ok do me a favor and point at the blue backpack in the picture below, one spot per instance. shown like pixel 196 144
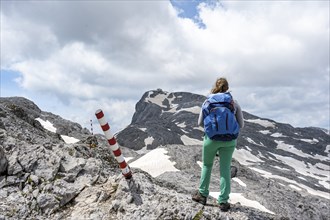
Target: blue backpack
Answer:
pixel 220 123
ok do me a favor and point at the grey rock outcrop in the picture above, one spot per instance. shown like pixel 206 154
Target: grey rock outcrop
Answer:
pixel 40 173
pixel 3 161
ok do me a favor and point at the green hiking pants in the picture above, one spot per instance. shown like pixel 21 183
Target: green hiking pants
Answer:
pixel 225 150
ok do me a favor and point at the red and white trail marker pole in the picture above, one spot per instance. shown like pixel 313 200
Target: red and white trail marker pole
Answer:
pixel 113 144
pixel 92 126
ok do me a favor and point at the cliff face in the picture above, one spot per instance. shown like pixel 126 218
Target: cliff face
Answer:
pixel 51 168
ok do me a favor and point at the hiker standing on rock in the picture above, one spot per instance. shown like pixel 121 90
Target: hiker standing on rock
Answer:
pixel 222 118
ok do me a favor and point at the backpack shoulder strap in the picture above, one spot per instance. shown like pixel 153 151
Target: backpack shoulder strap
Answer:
pixel 206 108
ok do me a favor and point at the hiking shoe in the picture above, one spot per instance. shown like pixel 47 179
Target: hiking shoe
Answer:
pixel 197 197
pixel 224 206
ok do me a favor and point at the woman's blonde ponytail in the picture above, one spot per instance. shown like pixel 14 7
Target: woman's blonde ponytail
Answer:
pixel 221 85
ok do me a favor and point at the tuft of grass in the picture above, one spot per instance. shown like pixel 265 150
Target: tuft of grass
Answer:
pixel 199 215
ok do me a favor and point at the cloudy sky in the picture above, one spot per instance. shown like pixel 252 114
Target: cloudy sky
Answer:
pixel 74 57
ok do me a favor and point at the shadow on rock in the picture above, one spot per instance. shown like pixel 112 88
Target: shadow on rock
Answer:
pixel 135 190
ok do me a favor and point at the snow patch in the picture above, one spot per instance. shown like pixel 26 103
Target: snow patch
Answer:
pixel 240 182
pixel 278 135
pixel 155 162
pixel 265 132
pixel 186 132
pixel 281 168
pixel 199 128
pixel 295 187
pixel 181 125
pixel 69 140
pixel 148 140
pixel 245 157
pixel 264 123
pixel 253 142
pixel 173 105
pixel 158 99
pixel 248 148
pixel 47 125
pixel 190 141
pixel 300 177
pixel 327 149
pixel 314 141
pixel 194 109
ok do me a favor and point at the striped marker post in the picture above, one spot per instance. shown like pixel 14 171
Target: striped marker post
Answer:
pixel 113 144
pixel 92 126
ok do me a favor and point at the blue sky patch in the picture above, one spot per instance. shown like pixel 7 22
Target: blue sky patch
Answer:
pixel 9 86
pixel 189 9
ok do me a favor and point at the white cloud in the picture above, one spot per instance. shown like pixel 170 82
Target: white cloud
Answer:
pixel 275 55
pixel 22 39
pixel 73 71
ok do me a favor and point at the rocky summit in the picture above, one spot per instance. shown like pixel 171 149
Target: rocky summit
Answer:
pixel 52 168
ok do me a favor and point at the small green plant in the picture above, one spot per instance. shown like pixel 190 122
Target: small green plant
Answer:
pixel 71 151
pixel 199 215
pixel 58 176
pixel 29 180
